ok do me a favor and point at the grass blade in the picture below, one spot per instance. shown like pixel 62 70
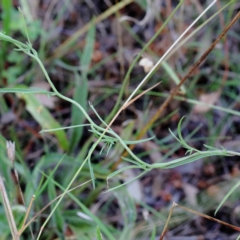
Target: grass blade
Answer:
pixel 26 91
pixel 227 196
pixel 81 91
pixel 99 235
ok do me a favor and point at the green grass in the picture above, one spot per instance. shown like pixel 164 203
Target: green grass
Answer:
pixel 89 162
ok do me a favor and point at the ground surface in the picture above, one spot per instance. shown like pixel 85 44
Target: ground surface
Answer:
pixel 88 61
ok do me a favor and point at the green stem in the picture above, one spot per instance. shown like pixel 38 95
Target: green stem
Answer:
pixel 125 81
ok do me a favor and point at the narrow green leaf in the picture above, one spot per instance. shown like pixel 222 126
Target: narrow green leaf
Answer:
pixel 174 136
pixel 194 157
pixel 210 148
pixel 182 141
pixel 154 233
pixel 119 186
pixel 139 141
pixel 88 50
pixel 132 161
pixel 128 210
pixel 227 196
pixel 38 192
pixel 81 90
pixel 92 107
pixel 63 128
pixel 80 96
pixel 121 170
pixel 179 129
pixel 57 217
pixel 173 75
pixel 91 172
pixel 26 91
pixel 6 15
pixel 126 133
pixel 99 235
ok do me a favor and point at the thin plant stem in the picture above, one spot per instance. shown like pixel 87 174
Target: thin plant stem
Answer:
pixel 209 217
pixel 84 112
pixel 62 196
pixel 153 69
pixel 125 81
pixel 167 52
pixel 8 210
pixel 190 72
pixel 27 214
pixel 167 222
pixel 11 156
pixel 196 213
pixel 176 89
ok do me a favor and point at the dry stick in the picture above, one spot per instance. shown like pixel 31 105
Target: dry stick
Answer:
pixel 138 96
pixel 226 52
pixel 27 213
pixel 11 156
pixel 176 89
pixel 168 219
pixel 8 210
pixel 196 213
pixel 210 218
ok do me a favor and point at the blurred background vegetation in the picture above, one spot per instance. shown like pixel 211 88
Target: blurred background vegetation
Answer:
pixel 87 47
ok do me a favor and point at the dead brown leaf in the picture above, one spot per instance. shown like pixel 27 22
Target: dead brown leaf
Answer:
pixel 208 99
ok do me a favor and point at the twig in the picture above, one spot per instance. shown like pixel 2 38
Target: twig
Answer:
pixel 190 72
pixel 138 96
pixel 196 213
pixel 176 89
pixel 156 66
pixel 210 218
pixel 8 211
pixel 27 214
pixel 168 219
pixel 11 156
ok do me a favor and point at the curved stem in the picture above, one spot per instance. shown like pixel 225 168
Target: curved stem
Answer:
pixel 110 131
pixel 59 94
